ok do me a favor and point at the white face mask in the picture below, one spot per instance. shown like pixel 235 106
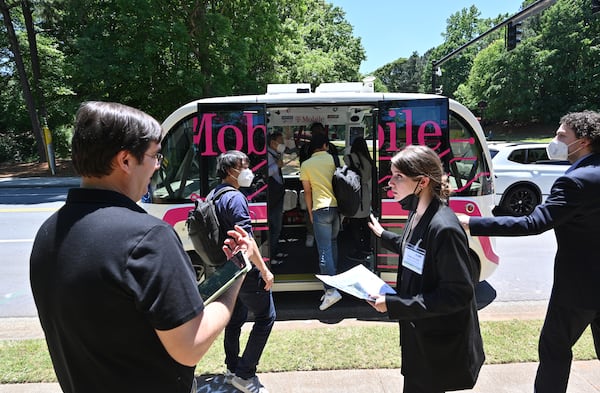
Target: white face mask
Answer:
pixel 245 177
pixel 558 150
pixel 280 148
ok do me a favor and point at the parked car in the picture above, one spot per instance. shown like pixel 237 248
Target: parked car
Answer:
pixel 523 176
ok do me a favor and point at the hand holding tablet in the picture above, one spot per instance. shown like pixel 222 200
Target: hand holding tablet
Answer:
pixel 235 267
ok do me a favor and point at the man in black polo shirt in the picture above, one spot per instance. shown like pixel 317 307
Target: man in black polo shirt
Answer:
pixel 115 291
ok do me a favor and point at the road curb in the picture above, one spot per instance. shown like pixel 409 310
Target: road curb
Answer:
pixel 21 182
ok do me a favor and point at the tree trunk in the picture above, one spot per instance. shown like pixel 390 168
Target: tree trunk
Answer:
pixel 29 100
pixel 35 59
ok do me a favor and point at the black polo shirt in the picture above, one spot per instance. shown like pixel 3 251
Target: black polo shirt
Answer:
pixel 105 275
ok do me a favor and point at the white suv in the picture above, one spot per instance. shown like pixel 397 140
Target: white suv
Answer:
pixel 523 176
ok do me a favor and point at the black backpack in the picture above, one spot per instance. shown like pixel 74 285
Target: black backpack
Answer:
pixel 204 230
pixel 347 190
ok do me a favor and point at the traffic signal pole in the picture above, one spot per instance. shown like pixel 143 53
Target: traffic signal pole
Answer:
pixel 532 9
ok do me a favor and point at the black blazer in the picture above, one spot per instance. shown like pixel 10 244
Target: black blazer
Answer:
pixel 573 210
pixel 440 339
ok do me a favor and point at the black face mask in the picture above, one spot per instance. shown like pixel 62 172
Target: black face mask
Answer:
pixel 411 201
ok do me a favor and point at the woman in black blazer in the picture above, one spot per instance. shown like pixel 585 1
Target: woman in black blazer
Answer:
pixel 435 303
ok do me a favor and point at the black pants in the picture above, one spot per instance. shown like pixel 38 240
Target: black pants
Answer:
pixel 253 297
pixel 562 328
pixel 410 387
pixel 361 234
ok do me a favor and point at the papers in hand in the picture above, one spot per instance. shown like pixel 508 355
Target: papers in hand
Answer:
pixel 359 282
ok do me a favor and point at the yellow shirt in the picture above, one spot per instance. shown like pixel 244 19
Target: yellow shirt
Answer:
pixel 318 170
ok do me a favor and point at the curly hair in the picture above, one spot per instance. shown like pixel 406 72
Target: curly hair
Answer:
pixel 585 124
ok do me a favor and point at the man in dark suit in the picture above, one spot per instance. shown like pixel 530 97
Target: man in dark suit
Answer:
pixel 573 210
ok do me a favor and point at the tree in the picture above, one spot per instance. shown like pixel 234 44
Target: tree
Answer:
pixel 402 75
pixel 553 70
pixel 570 36
pixel 157 55
pixel 25 86
pixel 35 59
pixel 318 45
pixel 462 27
pixel 508 81
pixel 135 52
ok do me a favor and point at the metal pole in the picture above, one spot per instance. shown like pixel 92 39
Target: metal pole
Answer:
pixel 528 11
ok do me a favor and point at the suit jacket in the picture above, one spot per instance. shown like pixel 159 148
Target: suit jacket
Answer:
pixel 573 210
pixel 441 343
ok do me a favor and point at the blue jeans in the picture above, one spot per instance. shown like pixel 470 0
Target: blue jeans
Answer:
pixel 253 297
pixel 326 225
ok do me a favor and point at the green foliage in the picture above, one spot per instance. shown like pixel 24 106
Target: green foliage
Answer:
pixel 553 70
pixel 157 55
pixel 402 75
pixel 570 37
pixel 318 45
pixel 511 88
pixel 61 141
pixel 462 27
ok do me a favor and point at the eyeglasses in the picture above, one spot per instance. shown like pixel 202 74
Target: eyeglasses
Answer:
pixel 158 157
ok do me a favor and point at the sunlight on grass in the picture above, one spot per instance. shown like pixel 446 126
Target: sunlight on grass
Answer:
pixel 323 348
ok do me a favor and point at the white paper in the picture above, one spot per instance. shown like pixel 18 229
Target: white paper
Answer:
pixel 359 282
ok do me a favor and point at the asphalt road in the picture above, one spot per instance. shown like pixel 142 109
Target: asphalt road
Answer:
pixel 524 273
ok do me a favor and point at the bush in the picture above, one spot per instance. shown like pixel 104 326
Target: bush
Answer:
pixel 61 140
pixel 20 146
pixel 17 146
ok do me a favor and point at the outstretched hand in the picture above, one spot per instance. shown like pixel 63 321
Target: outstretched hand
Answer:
pixel 375 226
pixel 239 240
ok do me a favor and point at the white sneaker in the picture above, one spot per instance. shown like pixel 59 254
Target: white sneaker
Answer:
pixel 310 241
pixel 331 297
pixel 250 385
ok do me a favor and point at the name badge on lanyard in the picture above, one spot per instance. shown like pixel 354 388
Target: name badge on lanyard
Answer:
pixel 414 257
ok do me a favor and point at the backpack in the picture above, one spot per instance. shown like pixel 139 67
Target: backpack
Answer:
pixel 347 190
pixel 204 230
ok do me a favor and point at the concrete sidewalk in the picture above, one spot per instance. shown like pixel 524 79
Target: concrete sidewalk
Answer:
pixel 501 378
pixel 505 378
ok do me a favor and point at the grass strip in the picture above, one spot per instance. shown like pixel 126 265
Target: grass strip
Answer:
pixel 322 348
